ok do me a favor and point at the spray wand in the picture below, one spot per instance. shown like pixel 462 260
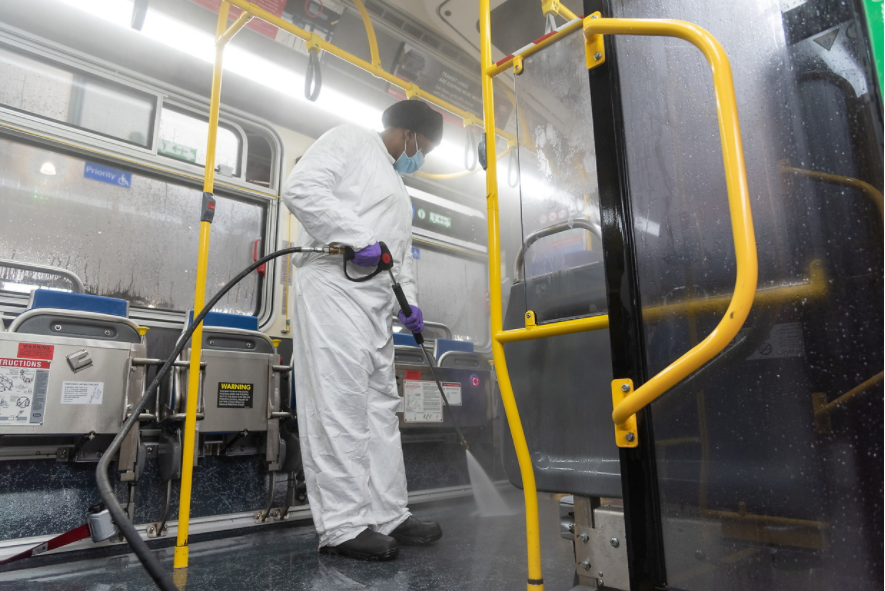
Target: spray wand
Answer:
pixel 386 264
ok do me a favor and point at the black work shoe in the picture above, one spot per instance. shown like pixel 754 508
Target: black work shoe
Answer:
pixel 414 532
pixel 368 545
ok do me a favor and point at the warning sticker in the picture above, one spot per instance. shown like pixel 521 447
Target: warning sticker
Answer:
pixel 35 351
pixel 422 402
pixel 784 340
pixel 82 392
pixel 231 395
pixel 23 385
pixel 453 392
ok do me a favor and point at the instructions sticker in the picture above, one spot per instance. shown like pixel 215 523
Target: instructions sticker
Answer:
pixel 82 392
pixel 231 395
pixel 784 340
pixel 422 402
pixel 23 385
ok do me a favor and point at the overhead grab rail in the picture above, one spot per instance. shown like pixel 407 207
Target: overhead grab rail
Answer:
pixel 374 68
pixel 627 401
pixel 75 280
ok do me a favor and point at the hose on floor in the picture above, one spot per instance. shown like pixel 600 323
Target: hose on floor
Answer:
pixel 121 519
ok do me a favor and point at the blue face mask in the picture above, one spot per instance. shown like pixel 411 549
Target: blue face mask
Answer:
pixel 409 164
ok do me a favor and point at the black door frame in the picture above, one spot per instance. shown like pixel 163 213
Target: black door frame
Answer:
pixel 645 549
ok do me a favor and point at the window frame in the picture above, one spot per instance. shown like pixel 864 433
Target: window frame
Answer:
pixel 64 138
pixel 165 96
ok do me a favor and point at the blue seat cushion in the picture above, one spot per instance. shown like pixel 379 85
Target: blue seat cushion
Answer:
pixel 446 345
pixel 401 338
pixel 225 320
pixel 81 302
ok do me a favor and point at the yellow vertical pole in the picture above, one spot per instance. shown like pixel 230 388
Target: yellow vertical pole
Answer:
pixel 535 577
pixel 193 384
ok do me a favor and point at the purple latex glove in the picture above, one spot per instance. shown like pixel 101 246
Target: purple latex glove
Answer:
pixel 415 322
pixel 369 256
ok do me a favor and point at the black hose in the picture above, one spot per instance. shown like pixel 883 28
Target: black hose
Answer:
pixel 121 520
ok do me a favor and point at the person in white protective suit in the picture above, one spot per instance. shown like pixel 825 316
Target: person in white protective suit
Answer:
pixel 346 190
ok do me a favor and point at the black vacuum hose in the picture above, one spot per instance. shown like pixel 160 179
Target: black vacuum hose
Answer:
pixel 121 520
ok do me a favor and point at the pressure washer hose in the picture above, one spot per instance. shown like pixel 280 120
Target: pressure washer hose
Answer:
pixel 121 520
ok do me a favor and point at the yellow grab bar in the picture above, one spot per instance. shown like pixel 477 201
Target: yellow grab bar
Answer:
pixel 738 201
pixel 843 181
pixel 222 37
pixel 827 408
pixel 376 70
pixel 370 33
pixel 556 7
pixel 555 37
pixel 530 490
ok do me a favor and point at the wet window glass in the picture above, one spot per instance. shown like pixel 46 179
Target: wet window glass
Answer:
pixel 259 160
pixel 124 234
pixel 453 290
pixel 768 476
pixel 80 100
pixel 560 261
pixel 183 137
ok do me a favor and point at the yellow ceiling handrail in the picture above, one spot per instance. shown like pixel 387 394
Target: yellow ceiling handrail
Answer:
pixel 739 206
pixel 370 33
pixel 376 70
pixel 505 64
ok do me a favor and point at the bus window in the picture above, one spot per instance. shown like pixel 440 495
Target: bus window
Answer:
pixel 183 137
pixel 453 290
pixel 124 234
pixel 80 100
pixel 259 159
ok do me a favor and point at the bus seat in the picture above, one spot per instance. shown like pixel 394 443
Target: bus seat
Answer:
pixel 404 340
pixel 79 351
pixel 445 345
pixel 240 385
pixel 463 360
pixel 77 315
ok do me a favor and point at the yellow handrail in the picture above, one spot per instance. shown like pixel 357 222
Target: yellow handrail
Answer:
pixel 411 89
pixel 370 33
pixel 843 181
pixel 530 490
pixel 848 396
pixel 554 329
pixel 508 62
pixel 222 37
pixel 742 228
pixel 738 201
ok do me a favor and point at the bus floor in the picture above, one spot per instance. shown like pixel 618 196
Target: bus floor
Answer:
pixel 475 553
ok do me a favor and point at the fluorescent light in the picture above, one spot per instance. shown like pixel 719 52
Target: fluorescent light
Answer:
pixel 187 39
pixel 48 168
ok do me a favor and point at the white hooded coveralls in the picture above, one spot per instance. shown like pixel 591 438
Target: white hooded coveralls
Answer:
pixel 345 191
